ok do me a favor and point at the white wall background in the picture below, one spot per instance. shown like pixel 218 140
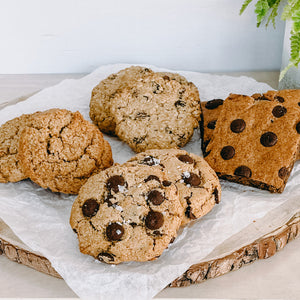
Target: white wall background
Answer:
pixel 65 36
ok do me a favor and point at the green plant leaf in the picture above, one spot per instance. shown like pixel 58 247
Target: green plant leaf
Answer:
pixel 283 72
pixel 245 5
pixel 295 47
pixel 296 20
pixel 290 8
pixel 272 2
pixel 261 9
pixel 268 10
pixel 273 14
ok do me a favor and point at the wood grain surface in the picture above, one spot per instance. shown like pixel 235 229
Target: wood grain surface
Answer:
pixel 262 248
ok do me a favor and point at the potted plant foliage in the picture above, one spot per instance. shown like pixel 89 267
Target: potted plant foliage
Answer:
pixel 266 12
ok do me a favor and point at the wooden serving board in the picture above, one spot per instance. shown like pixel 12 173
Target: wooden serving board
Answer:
pixel 264 247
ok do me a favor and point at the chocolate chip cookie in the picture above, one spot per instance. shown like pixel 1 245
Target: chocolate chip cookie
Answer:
pixel 126 214
pixel 256 140
pixel 60 150
pixel 198 185
pixel 9 144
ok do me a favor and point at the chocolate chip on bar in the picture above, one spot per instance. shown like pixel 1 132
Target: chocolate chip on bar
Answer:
pixel 257 139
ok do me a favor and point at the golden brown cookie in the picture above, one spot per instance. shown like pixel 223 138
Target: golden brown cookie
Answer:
pixel 9 145
pixel 126 214
pixel 256 141
pixel 146 109
pixel 106 90
pixel 60 151
pixel 156 112
pixel 198 185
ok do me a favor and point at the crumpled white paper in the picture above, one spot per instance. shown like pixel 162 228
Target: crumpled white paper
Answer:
pixel 41 218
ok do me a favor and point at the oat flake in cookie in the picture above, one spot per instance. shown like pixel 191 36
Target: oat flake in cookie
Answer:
pixel 126 214
pixel 9 147
pixel 256 140
pixel 60 150
pixel 198 185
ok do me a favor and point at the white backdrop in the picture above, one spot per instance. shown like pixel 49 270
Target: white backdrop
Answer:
pixel 62 36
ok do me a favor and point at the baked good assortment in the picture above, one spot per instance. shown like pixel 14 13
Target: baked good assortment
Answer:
pixel 133 211
pixel 256 140
pixel 57 149
pixel 146 109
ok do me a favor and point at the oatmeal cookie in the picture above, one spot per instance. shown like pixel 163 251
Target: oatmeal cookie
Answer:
pixel 106 90
pixel 60 150
pixel 9 146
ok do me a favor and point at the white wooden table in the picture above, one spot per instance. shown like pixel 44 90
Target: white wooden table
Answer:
pixel 277 277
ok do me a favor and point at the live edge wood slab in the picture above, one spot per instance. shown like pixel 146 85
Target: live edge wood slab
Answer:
pixel 262 248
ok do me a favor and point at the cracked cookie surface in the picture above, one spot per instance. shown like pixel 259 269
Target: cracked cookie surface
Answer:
pixel 60 151
pixel 10 131
pixel 198 185
pixel 126 214
pixel 106 90
pixel 146 109
pixel 156 112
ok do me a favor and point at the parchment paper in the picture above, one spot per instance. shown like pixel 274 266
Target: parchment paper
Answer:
pixel 41 218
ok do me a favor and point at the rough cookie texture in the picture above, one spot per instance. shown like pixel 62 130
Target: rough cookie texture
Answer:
pixel 256 141
pixel 106 90
pixel 9 145
pixel 60 150
pixel 157 112
pixel 126 214
pixel 145 109
pixel 198 185
pixel 210 113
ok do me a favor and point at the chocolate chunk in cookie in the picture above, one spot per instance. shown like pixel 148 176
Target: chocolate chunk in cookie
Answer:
pixel 90 208
pixel 268 139
pixel 227 152
pixel 114 232
pixel 238 125
pixel 213 104
pixel 154 220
